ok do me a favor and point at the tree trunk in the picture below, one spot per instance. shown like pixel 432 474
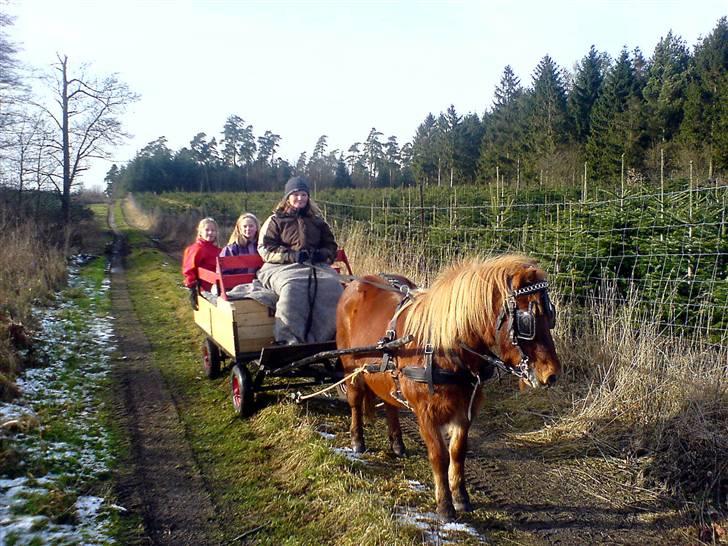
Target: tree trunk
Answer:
pixel 66 190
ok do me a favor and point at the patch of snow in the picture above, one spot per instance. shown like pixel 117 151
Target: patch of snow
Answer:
pixel 78 344
pixel 416 486
pixel 349 454
pixel 434 529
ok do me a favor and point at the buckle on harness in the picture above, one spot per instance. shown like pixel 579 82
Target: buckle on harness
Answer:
pixel 389 335
pixel 429 351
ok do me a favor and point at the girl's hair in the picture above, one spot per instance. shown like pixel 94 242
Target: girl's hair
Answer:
pixel 203 223
pixel 311 209
pixel 237 235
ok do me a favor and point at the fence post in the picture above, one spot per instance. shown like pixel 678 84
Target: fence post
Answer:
pixel 558 236
pixel 583 191
pixel 690 216
pixel 662 176
pixel 621 197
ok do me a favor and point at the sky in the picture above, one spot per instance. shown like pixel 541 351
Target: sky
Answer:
pixel 339 68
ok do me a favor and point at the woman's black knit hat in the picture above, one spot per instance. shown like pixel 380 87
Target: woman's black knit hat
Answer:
pixel 297 183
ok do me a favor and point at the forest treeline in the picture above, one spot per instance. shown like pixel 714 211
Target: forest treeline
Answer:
pixel 606 117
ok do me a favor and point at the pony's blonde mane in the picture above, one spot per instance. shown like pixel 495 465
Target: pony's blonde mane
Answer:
pixel 461 301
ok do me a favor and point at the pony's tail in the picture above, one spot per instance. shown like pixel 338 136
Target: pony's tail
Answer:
pixel 368 406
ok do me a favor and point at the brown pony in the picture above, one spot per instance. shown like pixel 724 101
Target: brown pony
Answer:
pixel 478 314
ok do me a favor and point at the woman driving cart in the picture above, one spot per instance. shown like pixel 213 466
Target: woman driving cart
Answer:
pixel 297 246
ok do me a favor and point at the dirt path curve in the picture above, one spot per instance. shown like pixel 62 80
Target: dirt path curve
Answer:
pixel 161 482
pixel 542 498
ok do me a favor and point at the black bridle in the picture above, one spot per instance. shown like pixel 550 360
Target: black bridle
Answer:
pixel 521 326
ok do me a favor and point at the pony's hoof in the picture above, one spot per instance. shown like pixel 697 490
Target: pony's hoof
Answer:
pixel 358 446
pixel 398 449
pixel 463 506
pixel 446 513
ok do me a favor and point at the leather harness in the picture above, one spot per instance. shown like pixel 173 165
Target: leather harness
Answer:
pixel 431 374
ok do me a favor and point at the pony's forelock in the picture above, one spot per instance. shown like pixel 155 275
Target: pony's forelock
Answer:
pixel 461 301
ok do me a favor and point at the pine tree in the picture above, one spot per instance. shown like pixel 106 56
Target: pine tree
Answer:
pixel 342 178
pixel 547 109
pixel 664 92
pixel 707 94
pixel 616 127
pixel 587 86
pixel 503 142
pixel 424 155
pixel 468 138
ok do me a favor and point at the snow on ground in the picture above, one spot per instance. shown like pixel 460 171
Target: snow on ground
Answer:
pixel 434 530
pixel 78 343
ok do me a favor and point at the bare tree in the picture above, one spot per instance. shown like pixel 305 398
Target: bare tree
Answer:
pixel 85 121
pixel 12 91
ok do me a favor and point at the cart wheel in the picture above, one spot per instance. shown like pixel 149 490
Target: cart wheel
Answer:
pixel 211 359
pixel 242 391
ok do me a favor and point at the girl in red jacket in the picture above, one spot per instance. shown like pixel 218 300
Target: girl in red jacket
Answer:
pixel 202 253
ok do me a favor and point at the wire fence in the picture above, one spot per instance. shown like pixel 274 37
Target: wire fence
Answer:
pixel 668 251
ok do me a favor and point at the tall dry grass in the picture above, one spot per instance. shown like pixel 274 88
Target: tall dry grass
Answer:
pixel 369 256
pixel 32 269
pixel 661 402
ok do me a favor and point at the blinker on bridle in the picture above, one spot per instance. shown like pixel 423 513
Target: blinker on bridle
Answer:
pixel 522 324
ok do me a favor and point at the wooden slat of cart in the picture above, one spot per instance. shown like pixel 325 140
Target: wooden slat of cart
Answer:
pixel 238 326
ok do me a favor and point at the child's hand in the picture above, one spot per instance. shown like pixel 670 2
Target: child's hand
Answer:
pixel 193 298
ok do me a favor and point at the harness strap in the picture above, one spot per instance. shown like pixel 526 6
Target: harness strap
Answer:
pixel 520 372
pixel 429 366
pixel 312 276
pixel 391 333
pixel 397 393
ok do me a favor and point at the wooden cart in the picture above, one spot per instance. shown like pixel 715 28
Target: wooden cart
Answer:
pixel 242 331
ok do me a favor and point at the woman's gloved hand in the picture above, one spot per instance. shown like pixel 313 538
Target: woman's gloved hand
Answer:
pixel 318 257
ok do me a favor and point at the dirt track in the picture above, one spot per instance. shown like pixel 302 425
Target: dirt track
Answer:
pixel 160 483
pixel 521 496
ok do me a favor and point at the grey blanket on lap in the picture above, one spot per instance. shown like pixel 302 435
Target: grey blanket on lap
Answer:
pixel 307 298
pixel 253 291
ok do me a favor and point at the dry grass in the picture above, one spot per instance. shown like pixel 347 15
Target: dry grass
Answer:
pixel 32 269
pixel 138 217
pixel 361 515
pixel 370 257
pixel 659 402
pixel 177 231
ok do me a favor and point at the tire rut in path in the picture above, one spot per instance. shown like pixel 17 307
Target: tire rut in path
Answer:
pixel 161 483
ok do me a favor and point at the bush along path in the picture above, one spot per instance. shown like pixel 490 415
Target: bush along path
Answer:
pixel 57 445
